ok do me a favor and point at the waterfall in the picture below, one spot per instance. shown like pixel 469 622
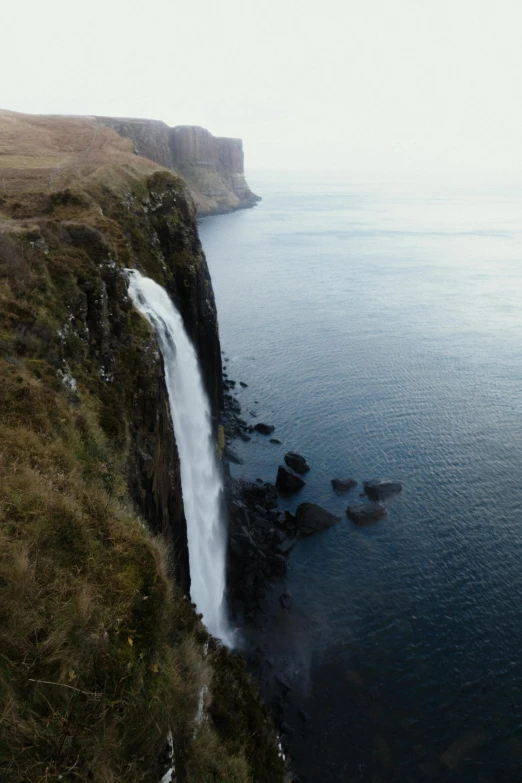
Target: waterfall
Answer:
pixel 201 480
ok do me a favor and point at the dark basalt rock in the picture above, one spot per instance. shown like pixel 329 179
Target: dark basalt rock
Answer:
pixel 153 473
pixel 262 524
pixel 287 481
pixel 379 489
pixel 262 493
pixel 264 429
pixel 296 462
pixel 232 456
pixel 366 513
pixel 343 485
pixel 275 440
pixel 279 565
pixel 286 546
pixel 311 518
pixel 243 384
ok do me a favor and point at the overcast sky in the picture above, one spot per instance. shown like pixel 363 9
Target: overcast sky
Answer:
pixel 312 84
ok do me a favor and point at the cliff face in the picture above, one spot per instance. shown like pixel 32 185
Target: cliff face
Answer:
pixel 212 167
pixel 102 654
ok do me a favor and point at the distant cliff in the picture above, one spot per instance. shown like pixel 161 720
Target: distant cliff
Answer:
pixel 212 167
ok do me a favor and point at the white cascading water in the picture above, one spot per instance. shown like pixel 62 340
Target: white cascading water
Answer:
pixel 201 480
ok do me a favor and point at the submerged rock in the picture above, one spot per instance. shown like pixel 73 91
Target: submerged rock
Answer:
pixel 296 462
pixel 264 429
pixel 379 489
pixel 275 440
pixel 343 485
pixel 366 513
pixel 232 456
pixel 286 546
pixel 311 518
pixel 287 481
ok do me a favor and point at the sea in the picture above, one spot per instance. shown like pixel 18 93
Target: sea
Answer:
pixel 378 325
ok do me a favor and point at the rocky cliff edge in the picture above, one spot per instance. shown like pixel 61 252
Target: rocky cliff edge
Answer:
pixel 212 167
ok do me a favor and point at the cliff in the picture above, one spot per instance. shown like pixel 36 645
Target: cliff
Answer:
pixel 212 167
pixel 101 653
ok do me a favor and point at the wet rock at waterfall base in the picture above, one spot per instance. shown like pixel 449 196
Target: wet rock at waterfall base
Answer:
pixel 343 485
pixel 288 482
pixel 311 518
pixel 297 462
pixel 279 565
pixel 254 492
pixel 286 546
pixel 366 513
pixel 275 440
pixel 258 547
pixel 380 489
pixel 232 456
pixel 264 429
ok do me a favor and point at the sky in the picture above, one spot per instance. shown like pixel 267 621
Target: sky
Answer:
pixel 406 85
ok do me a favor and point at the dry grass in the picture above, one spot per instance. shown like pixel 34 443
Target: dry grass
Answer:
pixel 41 153
pixel 99 653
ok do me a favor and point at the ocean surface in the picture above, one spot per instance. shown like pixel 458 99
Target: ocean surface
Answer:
pixel 379 328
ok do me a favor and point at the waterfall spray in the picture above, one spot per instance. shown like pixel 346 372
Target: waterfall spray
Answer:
pixel 201 480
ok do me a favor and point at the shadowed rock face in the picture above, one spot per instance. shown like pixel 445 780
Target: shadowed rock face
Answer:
pixel 213 167
pixel 150 137
pixel 192 144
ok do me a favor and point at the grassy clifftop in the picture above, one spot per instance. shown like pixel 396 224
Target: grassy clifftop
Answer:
pixel 101 653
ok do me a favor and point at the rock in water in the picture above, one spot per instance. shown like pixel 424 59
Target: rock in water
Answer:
pixel 287 481
pixel 264 429
pixel 366 513
pixel 232 456
pixel 275 440
pixel 310 518
pixel 296 462
pixel 343 485
pixel 379 489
